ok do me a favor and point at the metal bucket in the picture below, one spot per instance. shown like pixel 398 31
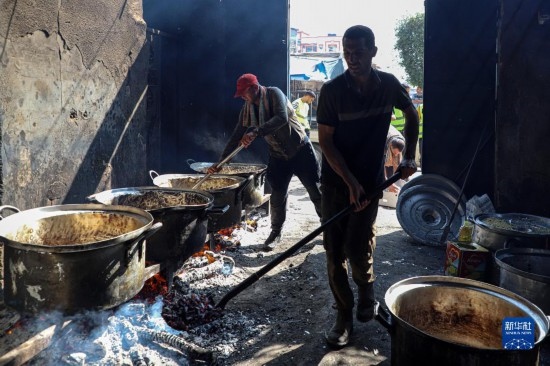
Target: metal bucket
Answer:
pixel 526 272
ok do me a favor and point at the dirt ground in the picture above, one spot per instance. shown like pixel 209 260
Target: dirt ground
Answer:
pixel 296 300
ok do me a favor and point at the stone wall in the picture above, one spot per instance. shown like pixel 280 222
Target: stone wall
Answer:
pixel 73 85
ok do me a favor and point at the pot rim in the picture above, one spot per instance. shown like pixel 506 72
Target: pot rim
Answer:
pixel 15 220
pixel 102 197
pixel 199 166
pixel 542 322
pixel 479 221
pixel 509 252
pixel 166 177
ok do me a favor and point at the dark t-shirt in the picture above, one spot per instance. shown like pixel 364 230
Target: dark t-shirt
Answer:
pixel 361 124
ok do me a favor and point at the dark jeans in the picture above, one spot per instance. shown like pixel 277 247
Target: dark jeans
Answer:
pixel 279 173
pixel 352 238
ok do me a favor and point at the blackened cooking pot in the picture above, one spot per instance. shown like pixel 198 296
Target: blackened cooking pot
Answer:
pixel 253 192
pixel 438 320
pixel 74 257
pixel 183 214
pixel 226 190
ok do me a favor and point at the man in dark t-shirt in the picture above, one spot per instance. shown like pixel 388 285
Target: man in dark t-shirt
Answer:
pixel 354 114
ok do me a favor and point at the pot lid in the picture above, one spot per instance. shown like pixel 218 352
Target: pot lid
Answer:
pixel 437 181
pixel 515 224
pixel 425 210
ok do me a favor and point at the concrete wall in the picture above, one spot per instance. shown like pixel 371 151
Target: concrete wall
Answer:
pixel 73 84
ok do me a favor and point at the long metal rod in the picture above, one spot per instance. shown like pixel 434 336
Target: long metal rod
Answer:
pixel 287 253
pixel 219 165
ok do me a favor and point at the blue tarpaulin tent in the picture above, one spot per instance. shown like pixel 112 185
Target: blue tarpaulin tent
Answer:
pixel 315 68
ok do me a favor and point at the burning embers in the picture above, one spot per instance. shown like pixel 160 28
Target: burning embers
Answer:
pixel 156 327
pixel 184 308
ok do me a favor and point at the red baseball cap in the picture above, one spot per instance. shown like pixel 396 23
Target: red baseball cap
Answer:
pixel 244 82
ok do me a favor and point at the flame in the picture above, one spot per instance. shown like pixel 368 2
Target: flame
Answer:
pixel 18 324
pixel 154 286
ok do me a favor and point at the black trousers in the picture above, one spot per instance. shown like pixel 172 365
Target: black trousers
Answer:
pixel 351 239
pixel 279 173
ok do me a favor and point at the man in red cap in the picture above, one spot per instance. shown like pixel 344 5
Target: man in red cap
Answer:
pixel 269 114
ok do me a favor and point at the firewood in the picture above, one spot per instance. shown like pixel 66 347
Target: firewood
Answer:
pixel 197 274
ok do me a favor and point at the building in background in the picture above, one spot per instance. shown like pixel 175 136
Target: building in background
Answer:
pixel 304 43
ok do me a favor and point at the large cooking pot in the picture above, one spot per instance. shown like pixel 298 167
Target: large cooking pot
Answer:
pixel 74 257
pixel 509 230
pixel 226 190
pixel 438 320
pixel 526 272
pixel 253 192
pixel 497 231
pixel 183 214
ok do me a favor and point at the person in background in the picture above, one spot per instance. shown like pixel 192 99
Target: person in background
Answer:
pixel 397 118
pixel 418 97
pixel 301 107
pixel 353 115
pixel 395 144
pixel 270 113
pixel 420 111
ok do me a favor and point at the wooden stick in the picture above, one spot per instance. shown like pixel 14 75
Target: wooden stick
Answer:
pixel 32 347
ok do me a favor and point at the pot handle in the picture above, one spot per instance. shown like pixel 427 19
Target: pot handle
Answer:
pixel 240 190
pixel 384 317
pixel 144 235
pixel 190 162
pixel 153 174
pixel 7 207
pixel 218 210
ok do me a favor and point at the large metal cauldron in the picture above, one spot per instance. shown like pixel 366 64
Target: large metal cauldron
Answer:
pixel 510 230
pixel 226 189
pixel 526 271
pixel 437 320
pixel 253 193
pixel 183 214
pixel 74 257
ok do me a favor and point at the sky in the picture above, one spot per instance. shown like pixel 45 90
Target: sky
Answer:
pixel 320 17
